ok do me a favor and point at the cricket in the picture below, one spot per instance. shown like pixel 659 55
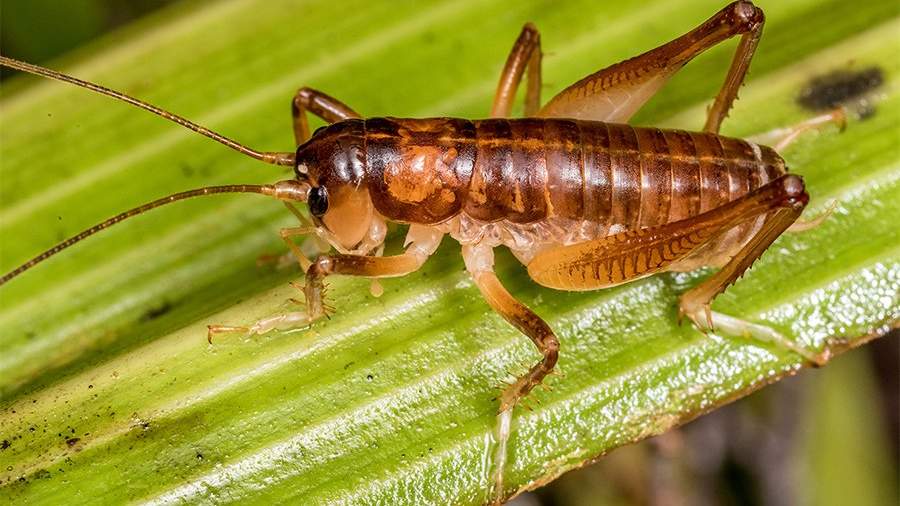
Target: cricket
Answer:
pixel 581 198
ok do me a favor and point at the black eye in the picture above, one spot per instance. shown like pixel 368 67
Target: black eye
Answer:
pixel 318 201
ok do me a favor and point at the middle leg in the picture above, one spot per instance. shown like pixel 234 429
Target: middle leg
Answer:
pixel 324 106
pixel 480 264
pixel 526 53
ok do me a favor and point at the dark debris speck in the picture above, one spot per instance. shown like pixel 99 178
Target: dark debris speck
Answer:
pixel 835 88
pixel 156 311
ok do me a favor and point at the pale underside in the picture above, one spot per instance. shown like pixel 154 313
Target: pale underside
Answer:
pixel 527 240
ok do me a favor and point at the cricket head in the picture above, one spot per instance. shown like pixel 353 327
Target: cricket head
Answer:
pixel 331 163
pixel 328 178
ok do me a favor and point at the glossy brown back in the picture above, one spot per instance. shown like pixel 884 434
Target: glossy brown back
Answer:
pixel 526 170
pixel 418 171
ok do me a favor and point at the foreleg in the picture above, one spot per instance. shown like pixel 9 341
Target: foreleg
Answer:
pixel 421 243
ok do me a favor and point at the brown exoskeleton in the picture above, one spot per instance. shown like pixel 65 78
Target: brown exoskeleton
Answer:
pixel 584 200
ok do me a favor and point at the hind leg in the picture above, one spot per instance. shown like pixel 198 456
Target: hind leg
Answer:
pixel 615 93
pixel 781 138
pixel 631 255
pixel 695 304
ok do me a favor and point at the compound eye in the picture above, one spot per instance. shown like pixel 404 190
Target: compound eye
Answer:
pixel 318 201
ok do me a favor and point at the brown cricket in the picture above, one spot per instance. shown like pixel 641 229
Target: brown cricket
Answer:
pixel 584 200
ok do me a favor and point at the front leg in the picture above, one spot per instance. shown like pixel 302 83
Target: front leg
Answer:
pixel 421 243
pixel 353 265
pixel 480 263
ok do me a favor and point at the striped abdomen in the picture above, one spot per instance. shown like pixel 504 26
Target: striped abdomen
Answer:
pixel 531 169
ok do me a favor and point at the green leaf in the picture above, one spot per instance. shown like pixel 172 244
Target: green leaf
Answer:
pixel 843 399
pixel 111 394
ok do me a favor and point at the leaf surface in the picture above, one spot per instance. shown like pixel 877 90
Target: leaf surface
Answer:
pixel 111 394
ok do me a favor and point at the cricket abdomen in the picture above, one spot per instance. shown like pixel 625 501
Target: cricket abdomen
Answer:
pixel 523 171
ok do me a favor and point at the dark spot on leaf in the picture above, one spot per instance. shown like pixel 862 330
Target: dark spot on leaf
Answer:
pixel 5 444
pixel 199 456
pixel 156 311
pixel 72 440
pixel 842 88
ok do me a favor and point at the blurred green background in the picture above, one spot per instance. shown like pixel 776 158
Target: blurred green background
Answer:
pixel 28 32
pixel 839 424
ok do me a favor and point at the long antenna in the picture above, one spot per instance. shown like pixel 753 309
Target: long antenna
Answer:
pixel 273 157
pixel 284 190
